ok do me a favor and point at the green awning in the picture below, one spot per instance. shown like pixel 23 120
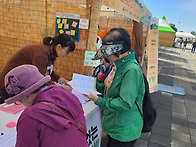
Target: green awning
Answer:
pixel 166 29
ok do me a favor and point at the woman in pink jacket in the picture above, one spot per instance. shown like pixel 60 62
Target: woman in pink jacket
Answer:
pixel 43 123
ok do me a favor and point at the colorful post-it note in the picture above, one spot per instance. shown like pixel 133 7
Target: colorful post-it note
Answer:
pixel 66 26
pixel 64 21
pixel 60 25
pixel 73 32
pixel 74 24
pixel 67 32
pixel 61 31
pixel 58 21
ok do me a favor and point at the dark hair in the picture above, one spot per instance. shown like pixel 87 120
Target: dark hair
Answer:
pixel 63 39
pixel 123 36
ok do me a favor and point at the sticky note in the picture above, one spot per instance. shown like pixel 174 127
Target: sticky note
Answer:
pixel 11 124
pixel 58 21
pixel 60 25
pixel 66 26
pixel 74 24
pixel 67 32
pixel 73 32
pixel 64 21
pixel 61 31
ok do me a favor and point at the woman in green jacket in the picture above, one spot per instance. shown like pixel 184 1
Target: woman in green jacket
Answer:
pixel 122 88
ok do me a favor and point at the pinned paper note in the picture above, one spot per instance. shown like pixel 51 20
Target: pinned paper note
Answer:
pixel 73 32
pixel 66 26
pixel 64 21
pixel 84 23
pixel 74 24
pixel 88 59
pixel 61 31
pixel 60 25
pixel 58 21
pixel 67 32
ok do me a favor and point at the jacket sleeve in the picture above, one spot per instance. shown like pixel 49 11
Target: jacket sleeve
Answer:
pixel 27 135
pixel 41 63
pixel 100 87
pixel 127 94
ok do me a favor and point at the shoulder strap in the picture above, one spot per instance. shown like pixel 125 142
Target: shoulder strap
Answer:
pixel 67 115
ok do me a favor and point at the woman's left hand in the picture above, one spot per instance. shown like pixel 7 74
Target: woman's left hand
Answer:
pixel 92 96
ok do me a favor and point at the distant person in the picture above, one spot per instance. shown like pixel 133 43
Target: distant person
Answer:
pixel 185 43
pixel 181 41
pixel 42 123
pixel 41 55
pixel 193 47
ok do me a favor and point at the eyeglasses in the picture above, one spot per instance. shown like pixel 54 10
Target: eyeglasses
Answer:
pixel 66 49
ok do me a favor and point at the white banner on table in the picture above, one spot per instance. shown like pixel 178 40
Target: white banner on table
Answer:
pixel 93 123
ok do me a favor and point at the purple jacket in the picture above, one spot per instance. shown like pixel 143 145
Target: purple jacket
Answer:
pixel 42 126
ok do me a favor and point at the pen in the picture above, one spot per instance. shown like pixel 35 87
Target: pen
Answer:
pixel 87 100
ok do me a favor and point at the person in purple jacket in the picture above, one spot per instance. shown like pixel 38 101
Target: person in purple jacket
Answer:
pixel 42 123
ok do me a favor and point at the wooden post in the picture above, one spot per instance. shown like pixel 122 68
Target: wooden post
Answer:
pixel 93 29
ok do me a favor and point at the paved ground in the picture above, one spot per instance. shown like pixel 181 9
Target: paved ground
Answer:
pixel 176 120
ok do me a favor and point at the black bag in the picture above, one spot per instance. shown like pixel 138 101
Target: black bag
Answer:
pixel 149 112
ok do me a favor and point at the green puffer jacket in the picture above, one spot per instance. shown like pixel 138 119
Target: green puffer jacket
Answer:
pixel 121 119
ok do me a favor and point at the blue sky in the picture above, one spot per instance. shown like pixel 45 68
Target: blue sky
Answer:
pixel 182 13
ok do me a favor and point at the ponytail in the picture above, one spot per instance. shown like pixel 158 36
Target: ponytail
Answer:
pixel 48 41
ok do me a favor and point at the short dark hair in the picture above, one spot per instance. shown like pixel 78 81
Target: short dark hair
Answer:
pixel 63 39
pixel 123 36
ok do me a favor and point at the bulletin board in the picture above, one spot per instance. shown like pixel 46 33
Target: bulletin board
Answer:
pixel 69 24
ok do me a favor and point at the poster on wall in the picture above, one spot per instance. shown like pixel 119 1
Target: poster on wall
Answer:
pixel 146 15
pixel 84 23
pixel 152 55
pixel 88 59
pixel 69 24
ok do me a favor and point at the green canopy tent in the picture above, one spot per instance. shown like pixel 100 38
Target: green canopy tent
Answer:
pixel 166 33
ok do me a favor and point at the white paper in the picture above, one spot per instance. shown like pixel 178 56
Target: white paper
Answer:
pixel 83 99
pixel 8 139
pixel 84 23
pixel 83 84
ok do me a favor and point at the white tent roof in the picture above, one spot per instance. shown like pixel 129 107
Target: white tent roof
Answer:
pixel 184 35
pixel 164 23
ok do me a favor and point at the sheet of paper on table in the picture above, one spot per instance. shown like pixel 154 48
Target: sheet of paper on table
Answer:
pixel 82 98
pixel 8 139
pixel 12 108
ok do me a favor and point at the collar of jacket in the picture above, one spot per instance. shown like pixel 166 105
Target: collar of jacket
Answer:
pixel 128 57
